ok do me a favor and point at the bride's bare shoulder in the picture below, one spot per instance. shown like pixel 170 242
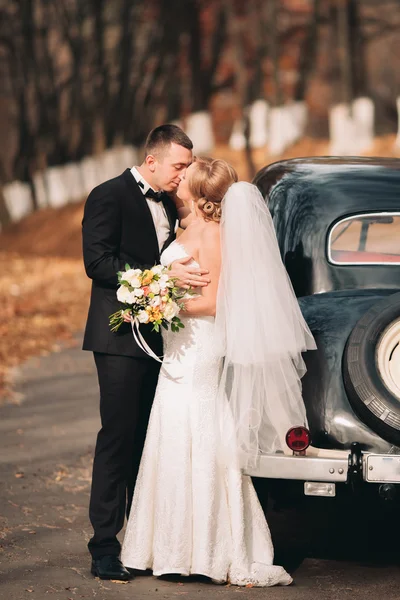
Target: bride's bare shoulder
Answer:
pixel 210 234
pixel 203 234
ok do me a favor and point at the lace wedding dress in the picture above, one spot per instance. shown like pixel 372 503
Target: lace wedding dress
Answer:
pixel 189 514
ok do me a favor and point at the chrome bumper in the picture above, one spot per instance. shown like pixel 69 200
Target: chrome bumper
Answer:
pixel 302 468
pixel 330 466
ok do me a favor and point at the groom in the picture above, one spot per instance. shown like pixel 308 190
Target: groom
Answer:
pixel 129 219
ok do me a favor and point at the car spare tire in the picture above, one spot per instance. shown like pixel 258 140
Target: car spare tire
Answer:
pixel 371 368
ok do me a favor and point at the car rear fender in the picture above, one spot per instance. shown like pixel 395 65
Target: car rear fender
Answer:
pixel 331 318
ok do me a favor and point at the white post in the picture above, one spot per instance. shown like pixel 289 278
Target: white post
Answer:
pixel 363 115
pixel 237 140
pixel 73 182
pixel 278 135
pixel 40 189
pixel 57 191
pixel 18 199
pixel 200 131
pixel 108 164
pixel 300 115
pixel 342 130
pixel 90 173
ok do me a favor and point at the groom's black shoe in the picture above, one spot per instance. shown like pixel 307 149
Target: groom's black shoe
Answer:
pixel 110 567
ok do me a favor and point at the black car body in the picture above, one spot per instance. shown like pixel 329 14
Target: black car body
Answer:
pixel 337 222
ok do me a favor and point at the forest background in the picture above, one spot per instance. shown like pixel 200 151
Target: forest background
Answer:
pixel 82 83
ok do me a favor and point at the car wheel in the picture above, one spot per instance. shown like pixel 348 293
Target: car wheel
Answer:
pixel 371 368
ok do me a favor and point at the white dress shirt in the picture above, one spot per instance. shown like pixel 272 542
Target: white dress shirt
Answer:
pixel 157 210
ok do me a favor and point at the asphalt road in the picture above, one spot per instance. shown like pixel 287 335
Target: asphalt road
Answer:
pixel 334 551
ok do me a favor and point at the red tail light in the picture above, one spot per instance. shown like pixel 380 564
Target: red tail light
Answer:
pixel 298 439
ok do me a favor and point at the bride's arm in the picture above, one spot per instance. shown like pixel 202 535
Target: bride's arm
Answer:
pixel 210 258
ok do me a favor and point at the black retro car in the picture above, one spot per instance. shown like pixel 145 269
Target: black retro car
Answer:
pixel 338 227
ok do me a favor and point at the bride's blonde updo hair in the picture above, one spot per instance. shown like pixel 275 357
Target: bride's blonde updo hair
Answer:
pixel 209 182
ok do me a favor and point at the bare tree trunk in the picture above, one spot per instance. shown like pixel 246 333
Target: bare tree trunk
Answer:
pixel 236 34
pixel 308 53
pixel 344 50
pixel 74 20
pixel 23 28
pixel 271 8
pixel 198 90
pixel 359 67
pixel 102 89
pixel 174 26
pixel 5 217
pixel 203 77
pixel 121 104
pixel 258 27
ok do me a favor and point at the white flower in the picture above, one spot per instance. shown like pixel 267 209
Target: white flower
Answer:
pixel 143 316
pixel 124 295
pixel 170 311
pixel 138 292
pixel 163 282
pixel 155 301
pixel 157 269
pixel 154 287
pixel 132 277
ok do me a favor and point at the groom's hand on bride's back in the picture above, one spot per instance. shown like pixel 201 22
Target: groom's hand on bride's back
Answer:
pixel 188 276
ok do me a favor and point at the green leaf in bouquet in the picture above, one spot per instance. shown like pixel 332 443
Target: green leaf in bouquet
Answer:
pixel 127 267
pixel 176 324
pixel 165 325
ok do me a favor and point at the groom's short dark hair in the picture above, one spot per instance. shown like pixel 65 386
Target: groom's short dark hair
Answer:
pixel 161 137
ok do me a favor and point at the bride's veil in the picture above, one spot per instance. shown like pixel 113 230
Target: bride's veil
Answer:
pixel 261 333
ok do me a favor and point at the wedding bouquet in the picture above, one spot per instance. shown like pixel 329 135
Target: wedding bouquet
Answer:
pixel 151 297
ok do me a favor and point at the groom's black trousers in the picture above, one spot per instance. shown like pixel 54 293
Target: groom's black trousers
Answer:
pixel 127 387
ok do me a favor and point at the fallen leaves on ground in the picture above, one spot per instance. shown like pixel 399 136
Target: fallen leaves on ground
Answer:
pixel 74 478
pixel 47 232
pixel 43 301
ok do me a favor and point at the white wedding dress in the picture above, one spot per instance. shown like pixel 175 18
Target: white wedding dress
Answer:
pixel 189 514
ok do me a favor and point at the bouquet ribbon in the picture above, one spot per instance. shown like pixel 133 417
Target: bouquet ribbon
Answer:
pixel 141 342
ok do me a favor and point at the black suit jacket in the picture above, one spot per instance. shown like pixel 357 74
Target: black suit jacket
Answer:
pixel 118 228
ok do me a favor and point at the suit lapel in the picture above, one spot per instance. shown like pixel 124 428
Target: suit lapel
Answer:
pixel 171 214
pixel 145 216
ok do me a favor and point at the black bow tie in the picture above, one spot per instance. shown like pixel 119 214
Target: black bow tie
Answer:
pixel 156 196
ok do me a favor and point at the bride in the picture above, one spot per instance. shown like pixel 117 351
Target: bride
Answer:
pixel 229 389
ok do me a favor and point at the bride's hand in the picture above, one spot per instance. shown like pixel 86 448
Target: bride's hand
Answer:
pixel 188 276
